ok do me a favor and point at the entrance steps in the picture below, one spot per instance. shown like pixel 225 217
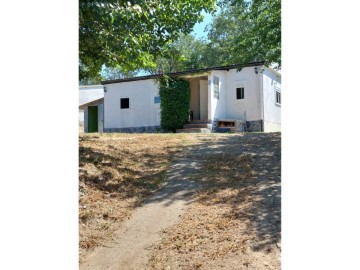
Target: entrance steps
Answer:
pixel 196 126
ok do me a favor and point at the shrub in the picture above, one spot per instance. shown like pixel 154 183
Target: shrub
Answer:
pixel 175 103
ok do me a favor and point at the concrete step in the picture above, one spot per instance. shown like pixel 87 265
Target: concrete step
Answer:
pixel 196 126
pixel 193 130
pixel 200 122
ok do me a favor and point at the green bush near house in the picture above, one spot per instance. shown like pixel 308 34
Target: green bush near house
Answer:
pixel 175 103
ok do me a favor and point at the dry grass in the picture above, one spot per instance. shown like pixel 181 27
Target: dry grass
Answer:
pixel 234 222
pixel 116 173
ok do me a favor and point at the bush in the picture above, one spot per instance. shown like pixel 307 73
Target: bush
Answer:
pixel 175 103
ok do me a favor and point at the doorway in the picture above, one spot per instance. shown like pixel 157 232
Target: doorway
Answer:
pixel 203 100
pixel 92 119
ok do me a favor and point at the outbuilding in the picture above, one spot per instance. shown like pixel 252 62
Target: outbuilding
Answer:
pixel 91 108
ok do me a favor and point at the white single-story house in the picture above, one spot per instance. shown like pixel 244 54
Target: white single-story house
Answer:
pixel 220 97
pixel 91 109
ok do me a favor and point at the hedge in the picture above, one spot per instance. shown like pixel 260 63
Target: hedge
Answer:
pixel 175 103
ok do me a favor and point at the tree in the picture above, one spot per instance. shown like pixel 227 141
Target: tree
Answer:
pixel 183 54
pixel 116 73
pixel 245 31
pixel 131 34
pixel 259 38
pixel 222 31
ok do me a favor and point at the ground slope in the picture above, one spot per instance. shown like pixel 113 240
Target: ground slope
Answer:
pixel 234 222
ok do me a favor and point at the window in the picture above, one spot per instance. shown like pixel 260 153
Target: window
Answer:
pixel 277 96
pixel 124 103
pixel 216 87
pixel 240 93
pixel 157 100
pixel 240 89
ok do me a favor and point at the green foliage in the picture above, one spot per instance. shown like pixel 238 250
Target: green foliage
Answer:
pixel 243 31
pixel 175 102
pixel 132 33
pixel 250 30
pixel 222 32
pixel 116 73
pixel 183 54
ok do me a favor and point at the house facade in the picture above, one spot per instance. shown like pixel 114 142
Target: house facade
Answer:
pixel 221 97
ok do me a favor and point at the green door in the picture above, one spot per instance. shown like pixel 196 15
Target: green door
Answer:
pixel 92 119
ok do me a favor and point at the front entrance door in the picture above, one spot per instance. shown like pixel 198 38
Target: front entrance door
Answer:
pixel 203 100
pixel 92 119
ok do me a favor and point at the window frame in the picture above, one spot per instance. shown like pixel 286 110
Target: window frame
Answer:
pixel 128 102
pixel 216 87
pixel 154 103
pixel 277 91
pixel 239 84
pixel 241 92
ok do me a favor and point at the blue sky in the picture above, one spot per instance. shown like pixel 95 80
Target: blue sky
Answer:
pixel 199 28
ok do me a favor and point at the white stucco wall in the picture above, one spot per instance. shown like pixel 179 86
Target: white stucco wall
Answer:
pixel 81 116
pixel 227 106
pixel 249 107
pixel 217 107
pixel 272 111
pixel 101 118
pixel 142 112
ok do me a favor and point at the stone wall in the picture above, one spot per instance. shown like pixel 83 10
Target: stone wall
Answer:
pixel 152 129
pixel 254 126
pixel 251 126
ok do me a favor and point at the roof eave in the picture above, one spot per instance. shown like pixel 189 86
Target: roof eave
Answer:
pixel 203 70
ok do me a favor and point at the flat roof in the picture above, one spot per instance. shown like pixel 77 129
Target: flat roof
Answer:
pixel 90 103
pixel 147 77
pixel 90 86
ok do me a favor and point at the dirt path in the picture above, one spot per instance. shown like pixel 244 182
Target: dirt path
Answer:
pixel 234 225
pixel 143 229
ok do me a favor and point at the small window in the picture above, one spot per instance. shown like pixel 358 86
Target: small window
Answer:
pixel 278 96
pixel 124 103
pixel 157 100
pixel 240 93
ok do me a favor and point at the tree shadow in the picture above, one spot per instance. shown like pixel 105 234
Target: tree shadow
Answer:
pixel 114 175
pixel 255 189
pixel 255 193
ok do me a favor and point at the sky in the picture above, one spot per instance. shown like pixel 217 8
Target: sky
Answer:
pixel 199 28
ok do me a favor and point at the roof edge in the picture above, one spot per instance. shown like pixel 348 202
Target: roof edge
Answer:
pixel 89 103
pixel 147 77
pixel 277 73
pixel 90 86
